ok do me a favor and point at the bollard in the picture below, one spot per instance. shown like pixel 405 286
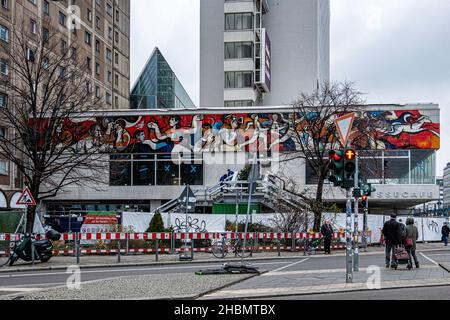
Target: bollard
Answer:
pixel 118 251
pixel 304 247
pixel 172 243
pixel 252 245
pixel 77 248
pixel 256 242
pixel 278 248
pixel 293 249
pixel 32 251
pixel 192 249
pixel 127 249
pixel 157 249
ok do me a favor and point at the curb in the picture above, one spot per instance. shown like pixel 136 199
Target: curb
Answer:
pixel 149 264
pixel 332 291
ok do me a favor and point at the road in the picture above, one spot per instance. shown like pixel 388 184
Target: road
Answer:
pixel 16 282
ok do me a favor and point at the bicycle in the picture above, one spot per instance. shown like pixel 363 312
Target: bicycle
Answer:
pixel 220 248
pixel 311 245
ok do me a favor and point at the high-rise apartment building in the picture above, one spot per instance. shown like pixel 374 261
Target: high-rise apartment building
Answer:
pixel 99 31
pixel 262 52
pixel 446 186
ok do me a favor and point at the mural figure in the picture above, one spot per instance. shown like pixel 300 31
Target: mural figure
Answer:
pixel 405 129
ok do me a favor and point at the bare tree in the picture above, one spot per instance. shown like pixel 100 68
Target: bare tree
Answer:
pixel 47 85
pixel 315 133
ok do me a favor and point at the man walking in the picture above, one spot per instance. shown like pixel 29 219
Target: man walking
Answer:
pixel 445 233
pixel 327 233
pixel 392 236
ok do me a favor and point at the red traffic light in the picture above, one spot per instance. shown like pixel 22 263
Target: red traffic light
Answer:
pixel 332 155
pixel 364 198
pixel 350 154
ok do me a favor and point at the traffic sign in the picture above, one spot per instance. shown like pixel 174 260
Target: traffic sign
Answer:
pixel 26 198
pixel 344 126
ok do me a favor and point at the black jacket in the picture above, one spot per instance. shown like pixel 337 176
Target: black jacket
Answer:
pixel 327 232
pixel 445 231
pixel 392 232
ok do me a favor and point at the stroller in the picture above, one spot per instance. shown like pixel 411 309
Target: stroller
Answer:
pixel 402 256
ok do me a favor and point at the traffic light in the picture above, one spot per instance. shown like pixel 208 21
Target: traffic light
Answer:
pixel 349 168
pixel 336 167
pixel 367 189
pixel 364 199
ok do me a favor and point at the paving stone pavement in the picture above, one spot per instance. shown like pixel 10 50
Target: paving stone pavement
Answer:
pixel 314 281
pixel 149 287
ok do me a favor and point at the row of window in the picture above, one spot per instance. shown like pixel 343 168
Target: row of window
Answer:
pixel 239 21
pixel 238 79
pixel 238 50
pixel 151 170
pixel 393 167
pixel 239 103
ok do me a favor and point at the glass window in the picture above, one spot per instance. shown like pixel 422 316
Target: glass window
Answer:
pixel 423 166
pixel 371 168
pixel 247 21
pixel 396 171
pixel 229 80
pixel 167 173
pixel 144 173
pixel 239 21
pixel 192 174
pixel 3 168
pixel 120 173
pixel 239 79
pixel 229 22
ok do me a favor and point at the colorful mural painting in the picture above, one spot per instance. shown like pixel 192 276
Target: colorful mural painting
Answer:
pixel 239 132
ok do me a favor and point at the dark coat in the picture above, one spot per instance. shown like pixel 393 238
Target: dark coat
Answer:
pixel 445 230
pixel 327 231
pixel 412 232
pixel 392 232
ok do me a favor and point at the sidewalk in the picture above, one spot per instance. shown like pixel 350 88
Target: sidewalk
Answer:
pixel 314 281
pixel 98 261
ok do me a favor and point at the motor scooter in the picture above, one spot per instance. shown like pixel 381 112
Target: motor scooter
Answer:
pixel 43 249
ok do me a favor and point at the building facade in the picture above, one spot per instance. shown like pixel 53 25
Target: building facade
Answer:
pixel 169 149
pixel 157 87
pixel 262 52
pixel 100 32
pixel 446 186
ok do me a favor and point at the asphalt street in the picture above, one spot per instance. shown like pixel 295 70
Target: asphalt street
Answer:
pixel 16 282
pixel 26 281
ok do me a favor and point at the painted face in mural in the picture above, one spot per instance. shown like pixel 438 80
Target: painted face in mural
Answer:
pixel 140 135
pixel 174 122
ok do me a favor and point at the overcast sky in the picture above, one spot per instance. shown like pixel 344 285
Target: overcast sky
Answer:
pixel 397 51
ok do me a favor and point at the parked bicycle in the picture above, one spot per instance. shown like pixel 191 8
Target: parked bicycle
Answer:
pixel 311 245
pixel 220 248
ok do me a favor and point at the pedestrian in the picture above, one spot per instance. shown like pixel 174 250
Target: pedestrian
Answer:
pixel 413 234
pixel 402 230
pixel 327 233
pixel 445 233
pixel 392 236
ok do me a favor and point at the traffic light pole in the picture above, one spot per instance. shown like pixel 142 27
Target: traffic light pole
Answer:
pixel 356 226
pixel 366 211
pixel 348 236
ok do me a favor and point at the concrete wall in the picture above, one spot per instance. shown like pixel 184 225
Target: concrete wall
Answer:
pixel 212 77
pixel 292 26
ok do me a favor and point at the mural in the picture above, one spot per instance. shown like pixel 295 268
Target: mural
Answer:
pixel 239 132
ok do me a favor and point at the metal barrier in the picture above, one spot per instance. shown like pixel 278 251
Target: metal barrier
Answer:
pixel 256 238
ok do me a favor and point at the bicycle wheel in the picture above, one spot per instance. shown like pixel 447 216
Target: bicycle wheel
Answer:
pixel 219 250
pixel 238 249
